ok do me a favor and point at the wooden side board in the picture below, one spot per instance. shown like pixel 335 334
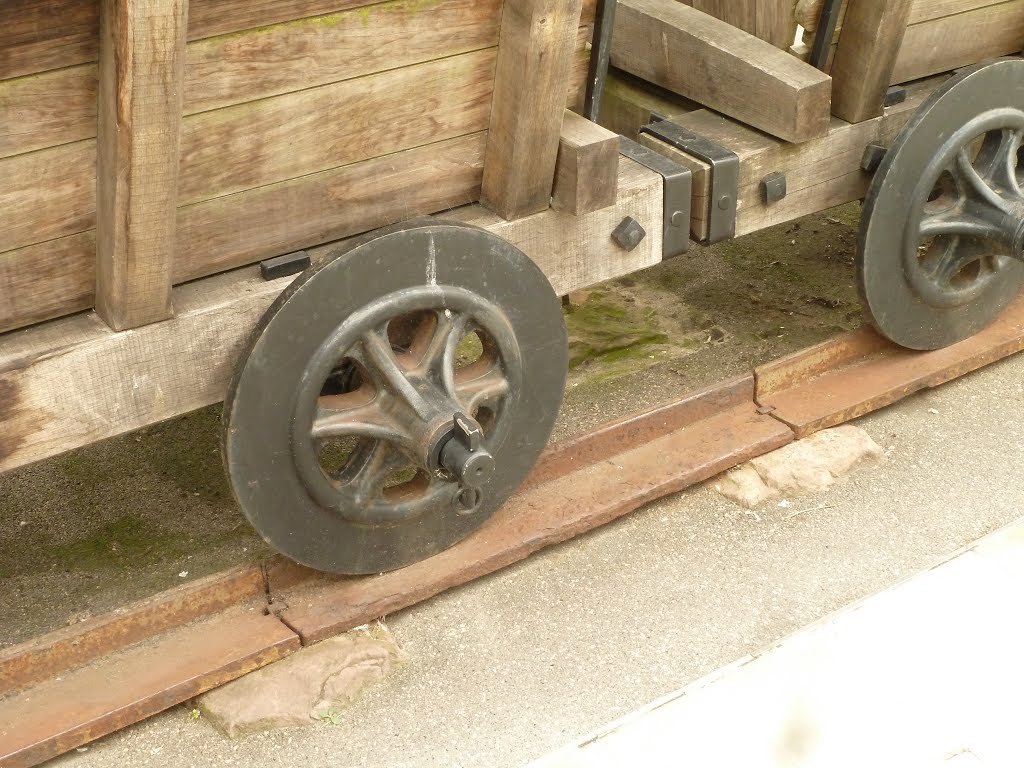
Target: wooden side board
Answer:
pixel 941 35
pixel 820 174
pixel 124 381
pixel 223 71
pixel 771 20
pixel 629 103
pixel 722 67
pixel 42 35
pixel 49 271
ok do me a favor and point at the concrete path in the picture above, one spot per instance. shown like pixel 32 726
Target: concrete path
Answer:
pixel 512 667
pixel 928 673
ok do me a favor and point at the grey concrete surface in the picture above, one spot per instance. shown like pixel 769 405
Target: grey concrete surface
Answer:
pixel 513 666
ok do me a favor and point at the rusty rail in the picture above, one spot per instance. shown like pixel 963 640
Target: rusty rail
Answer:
pixel 77 684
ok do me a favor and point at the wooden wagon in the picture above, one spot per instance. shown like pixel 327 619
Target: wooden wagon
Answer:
pixel 154 152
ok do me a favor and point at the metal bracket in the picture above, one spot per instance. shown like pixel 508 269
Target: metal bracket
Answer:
pixel 600 56
pixel 725 174
pixel 827 24
pixel 285 266
pixel 678 194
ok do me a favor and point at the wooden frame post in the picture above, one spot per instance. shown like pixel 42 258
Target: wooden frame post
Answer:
pixel 535 51
pixel 869 46
pixel 141 77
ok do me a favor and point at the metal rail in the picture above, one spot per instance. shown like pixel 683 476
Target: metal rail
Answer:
pixel 54 690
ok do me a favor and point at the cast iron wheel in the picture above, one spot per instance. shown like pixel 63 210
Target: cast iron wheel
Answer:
pixel 942 233
pixel 392 399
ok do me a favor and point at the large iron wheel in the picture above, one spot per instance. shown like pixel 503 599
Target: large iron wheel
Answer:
pixel 391 400
pixel 942 233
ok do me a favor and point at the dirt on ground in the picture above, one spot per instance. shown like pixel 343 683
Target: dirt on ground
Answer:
pixel 85 532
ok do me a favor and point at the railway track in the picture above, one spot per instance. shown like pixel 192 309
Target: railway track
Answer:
pixel 80 683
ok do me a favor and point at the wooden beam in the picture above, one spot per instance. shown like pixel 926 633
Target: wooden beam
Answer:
pixel 124 381
pixel 721 67
pixel 865 60
pixel 629 103
pixel 534 63
pixel 587 173
pixel 141 78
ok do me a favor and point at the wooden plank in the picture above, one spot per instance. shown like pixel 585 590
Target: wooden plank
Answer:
pixel 957 41
pixel 865 60
pixel 724 68
pixel 47 194
pixel 179 365
pixel 532 71
pixel 309 131
pixel 820 174
pixel 629 103
pixel 59 107
pixel 587 172
pixel 808 12
pixel 41 35
pixel 776 23
pixel 141 76
pixel 238 229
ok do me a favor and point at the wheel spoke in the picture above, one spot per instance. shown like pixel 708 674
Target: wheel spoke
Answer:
pixel 959 224
pixel 482 390
pixel 367 478
pixel 1000 166
pixel 334 420
pixel 445 333
pixel 973 186
pixel 387 372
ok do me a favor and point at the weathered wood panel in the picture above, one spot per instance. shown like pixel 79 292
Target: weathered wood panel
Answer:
pixel 176 366
pixel 60 107
pixel 704 59
pixel 262 142
pixel 60 184
pixel 237 229
pixel 534 66
pixel 142 71
pixel 943 44
pixel 865 60
pixel 40 35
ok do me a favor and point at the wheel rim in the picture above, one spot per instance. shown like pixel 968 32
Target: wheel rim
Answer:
pixel 367 351
pixel 942 232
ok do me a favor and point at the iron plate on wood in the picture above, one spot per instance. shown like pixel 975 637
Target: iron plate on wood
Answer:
pixel 942 233
pixel 393 398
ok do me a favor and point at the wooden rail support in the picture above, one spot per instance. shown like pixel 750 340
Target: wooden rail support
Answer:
pixel 587 174
pixel 535 51
pixel 141 76
pixel 869 48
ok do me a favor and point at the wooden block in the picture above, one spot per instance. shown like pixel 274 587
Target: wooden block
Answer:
pixel 865 60
pixel 587 172
pixel 142 66
pixel 820 174
pixel 186 363
pixel 629 103
pixel 532 73
pixel 721 67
